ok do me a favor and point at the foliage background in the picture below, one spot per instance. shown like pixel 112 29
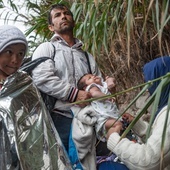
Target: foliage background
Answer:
pixel 121 34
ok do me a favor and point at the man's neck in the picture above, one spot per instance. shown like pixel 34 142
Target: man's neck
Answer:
pixel 69 39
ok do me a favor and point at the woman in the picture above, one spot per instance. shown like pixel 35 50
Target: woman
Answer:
pixel 146 156
pixel 28 139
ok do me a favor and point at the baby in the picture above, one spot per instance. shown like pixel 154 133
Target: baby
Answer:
pixel 106 110
pixel 102 114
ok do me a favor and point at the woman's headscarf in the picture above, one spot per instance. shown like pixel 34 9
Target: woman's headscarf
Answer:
pixel 154 69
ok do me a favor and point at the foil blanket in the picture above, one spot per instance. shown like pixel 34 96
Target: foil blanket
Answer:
pixel 28 138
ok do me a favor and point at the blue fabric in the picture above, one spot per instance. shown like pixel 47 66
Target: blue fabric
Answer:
pixel 73 154
pixel 64 128
pixel 110 165
pixel 154 69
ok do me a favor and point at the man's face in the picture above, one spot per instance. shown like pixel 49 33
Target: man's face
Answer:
pixel 62 21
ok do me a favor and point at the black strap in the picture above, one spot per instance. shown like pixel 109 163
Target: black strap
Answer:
pixel 28 65
pixel 88 62
pixel 54 51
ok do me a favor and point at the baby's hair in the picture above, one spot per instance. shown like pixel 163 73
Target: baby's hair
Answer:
pixel 81 85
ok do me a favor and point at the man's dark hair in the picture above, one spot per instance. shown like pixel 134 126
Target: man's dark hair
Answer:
pixel 56 6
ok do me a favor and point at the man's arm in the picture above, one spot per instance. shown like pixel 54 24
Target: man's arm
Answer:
pixel 47 79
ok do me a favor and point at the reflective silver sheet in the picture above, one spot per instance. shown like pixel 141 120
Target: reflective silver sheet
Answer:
pixel 26 129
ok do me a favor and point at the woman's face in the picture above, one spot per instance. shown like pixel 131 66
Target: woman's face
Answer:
pixel 11 58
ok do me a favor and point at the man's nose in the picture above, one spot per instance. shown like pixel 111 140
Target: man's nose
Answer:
pixel 63 15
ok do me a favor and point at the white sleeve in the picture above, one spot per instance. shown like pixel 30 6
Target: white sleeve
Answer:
pixel 140 128
pixel 143 156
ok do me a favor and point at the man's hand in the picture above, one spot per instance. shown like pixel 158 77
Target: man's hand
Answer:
pixel 83 95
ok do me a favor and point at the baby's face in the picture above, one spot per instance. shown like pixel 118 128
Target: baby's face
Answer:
pixel 89 79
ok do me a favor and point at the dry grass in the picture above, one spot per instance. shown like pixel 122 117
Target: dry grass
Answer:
pixel 143 49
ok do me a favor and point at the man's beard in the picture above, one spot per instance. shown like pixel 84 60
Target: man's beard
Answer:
pixel 66 29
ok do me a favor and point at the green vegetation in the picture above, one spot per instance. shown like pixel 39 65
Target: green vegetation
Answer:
pixel 122 36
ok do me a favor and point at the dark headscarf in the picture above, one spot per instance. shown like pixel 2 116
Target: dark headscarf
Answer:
pixel 155 69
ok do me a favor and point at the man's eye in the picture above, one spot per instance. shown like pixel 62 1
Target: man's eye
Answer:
pixel 57 15
pixel 67 13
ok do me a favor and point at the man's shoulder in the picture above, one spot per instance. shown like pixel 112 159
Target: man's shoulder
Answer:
pixel 46 43
pixel 44 49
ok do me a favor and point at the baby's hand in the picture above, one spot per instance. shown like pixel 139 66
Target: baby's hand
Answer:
pixel 111 83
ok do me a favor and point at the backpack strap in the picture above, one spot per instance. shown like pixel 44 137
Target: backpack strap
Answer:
pixel 54 51
pixel 88 62
pixel 29 66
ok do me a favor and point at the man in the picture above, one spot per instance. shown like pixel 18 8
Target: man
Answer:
pixel 59 78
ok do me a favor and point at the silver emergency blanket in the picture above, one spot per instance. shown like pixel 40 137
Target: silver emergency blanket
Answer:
pixel 26 129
